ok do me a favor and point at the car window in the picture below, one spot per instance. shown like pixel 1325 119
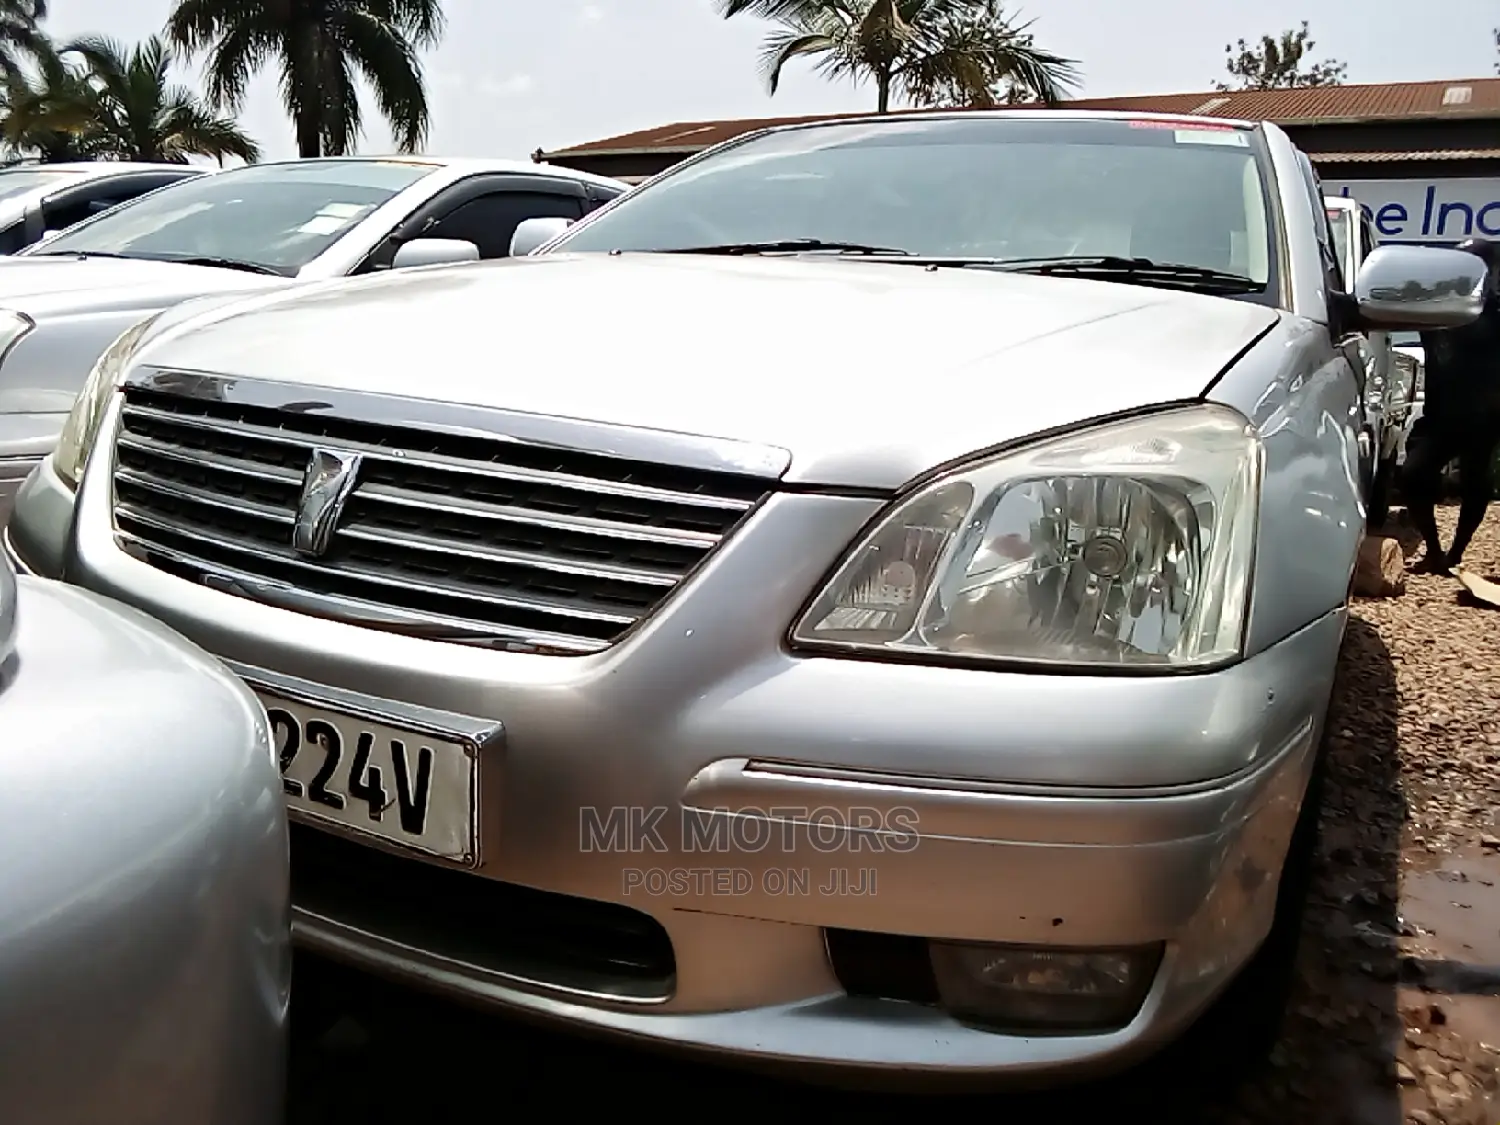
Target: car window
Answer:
pixel 276 216
pixel 19 182
pixel 1338 222
pixel 1005 188
pixel 489 220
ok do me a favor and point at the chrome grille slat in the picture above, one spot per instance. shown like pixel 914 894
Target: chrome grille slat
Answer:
pixel 149 447
pixel 195 495
pixel 421 624
pixel 513 558
pixel 450 464
pixel 363 574
pixel 557 522
pixel 454 534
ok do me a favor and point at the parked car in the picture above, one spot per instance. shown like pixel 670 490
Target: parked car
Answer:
pixel 1389 376
pixel 242 231
pixel 41 199
pixel 145 927
pixel 878 610
pixel 1410 354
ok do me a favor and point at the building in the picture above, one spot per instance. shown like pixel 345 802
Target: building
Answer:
pixel 1422 157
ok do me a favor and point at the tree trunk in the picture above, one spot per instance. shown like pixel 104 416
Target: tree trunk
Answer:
pixel 309 144
pixel 883 91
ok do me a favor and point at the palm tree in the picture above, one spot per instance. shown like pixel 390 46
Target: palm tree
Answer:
pixel 137 113
pixel 49 114
pixel 933 52
pixel 320 47
pixel 21 35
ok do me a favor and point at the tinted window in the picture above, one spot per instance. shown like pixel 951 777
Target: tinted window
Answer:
pixel 490 220
pixel 19 182
pixel 1005 188
pixel 280 216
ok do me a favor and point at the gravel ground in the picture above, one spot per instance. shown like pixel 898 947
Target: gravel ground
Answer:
pixel 1397 1004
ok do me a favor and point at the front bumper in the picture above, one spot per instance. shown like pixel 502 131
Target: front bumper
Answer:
pixel 1066 811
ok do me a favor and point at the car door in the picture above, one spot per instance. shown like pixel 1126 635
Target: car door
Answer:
pixel 1343 328
pixel 484 210
pixel 75 203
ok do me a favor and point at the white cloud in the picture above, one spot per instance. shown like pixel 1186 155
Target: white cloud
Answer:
pixel 590 13
pixel 517 85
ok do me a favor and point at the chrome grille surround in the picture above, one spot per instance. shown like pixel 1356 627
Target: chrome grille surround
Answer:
pixel 459 523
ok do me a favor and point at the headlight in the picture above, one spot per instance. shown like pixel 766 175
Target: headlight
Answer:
pixel 1126 544
pixel 82 426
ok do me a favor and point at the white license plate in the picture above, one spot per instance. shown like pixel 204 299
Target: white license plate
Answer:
pixel 401 786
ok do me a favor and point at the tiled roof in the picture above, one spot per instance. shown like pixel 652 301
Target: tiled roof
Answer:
pixel 1392 157
pixel 1400 101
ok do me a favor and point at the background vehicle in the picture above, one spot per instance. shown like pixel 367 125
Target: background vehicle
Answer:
pixel 1409 353
pixel 247 229
pixel 144 918
pixel 1389 375
pixel 918 667
pixel 37 199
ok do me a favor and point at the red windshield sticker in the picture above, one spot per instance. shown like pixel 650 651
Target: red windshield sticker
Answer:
pixel 1188 123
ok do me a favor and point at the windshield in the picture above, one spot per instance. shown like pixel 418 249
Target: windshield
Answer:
pixel 21 182
pixel 992 187
pixel 275 216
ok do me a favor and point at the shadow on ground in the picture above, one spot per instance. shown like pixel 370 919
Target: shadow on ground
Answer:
pixel 395 1056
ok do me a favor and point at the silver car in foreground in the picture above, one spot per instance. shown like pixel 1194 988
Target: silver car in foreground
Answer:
pixel 144 916
pixel 247 230
pixel 876 609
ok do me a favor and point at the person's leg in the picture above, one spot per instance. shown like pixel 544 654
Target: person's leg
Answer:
pixel 1475 490
pixel 1421 484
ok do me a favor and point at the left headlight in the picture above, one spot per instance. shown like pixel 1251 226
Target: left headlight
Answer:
pixel 1129 544
pixel 82 426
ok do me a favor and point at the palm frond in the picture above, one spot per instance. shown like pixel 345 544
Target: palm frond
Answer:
pixel 389 63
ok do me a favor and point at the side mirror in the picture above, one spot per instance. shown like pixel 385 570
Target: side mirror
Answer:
pixel 532 233
pixel 1416 288
pixel 434 252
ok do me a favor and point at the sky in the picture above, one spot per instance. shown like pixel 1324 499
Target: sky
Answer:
pixel 512 76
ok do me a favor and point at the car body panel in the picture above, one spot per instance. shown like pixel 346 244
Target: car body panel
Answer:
pixel 144 913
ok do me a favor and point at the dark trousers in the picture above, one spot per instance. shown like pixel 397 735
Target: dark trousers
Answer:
pixel 1432 445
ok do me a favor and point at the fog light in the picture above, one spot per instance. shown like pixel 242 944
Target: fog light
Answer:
pixel 1026 988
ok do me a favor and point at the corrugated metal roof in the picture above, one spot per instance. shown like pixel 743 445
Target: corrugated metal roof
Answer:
pixel 1400 101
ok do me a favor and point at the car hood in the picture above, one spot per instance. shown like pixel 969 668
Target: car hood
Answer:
pixel 46 286
pixel 868 373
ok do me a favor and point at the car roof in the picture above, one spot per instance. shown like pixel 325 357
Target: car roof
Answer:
pixel 103 167
pixel 1061 113
pixel 464 166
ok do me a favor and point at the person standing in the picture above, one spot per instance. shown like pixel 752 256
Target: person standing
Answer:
pixel 1460 420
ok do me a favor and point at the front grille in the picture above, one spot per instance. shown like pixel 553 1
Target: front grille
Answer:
pixel 539 936
pixel 469 538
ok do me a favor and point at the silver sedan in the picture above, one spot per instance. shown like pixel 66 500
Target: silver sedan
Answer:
pixel 144 925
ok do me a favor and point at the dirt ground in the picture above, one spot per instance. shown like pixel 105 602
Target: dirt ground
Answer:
pixel 1397 1012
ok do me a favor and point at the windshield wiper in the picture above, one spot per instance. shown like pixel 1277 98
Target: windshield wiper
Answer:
pixel 789 246
pixel 222 263
pixel 70 254
pixel 1143 270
